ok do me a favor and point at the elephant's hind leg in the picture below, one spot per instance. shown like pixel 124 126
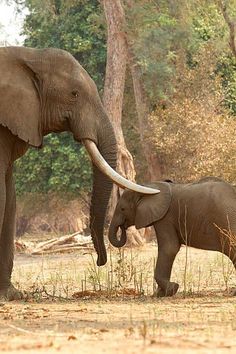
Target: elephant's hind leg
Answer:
pixel 231 253
pixel 168 247
pixel 7 290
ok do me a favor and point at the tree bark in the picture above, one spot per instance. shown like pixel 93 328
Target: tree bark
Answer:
pixel 143 110
pixel 232 26
pixel 114 91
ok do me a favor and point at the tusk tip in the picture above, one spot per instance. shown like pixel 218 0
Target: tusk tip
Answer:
pixel 149 191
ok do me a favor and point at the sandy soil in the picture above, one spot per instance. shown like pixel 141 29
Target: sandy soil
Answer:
pixel 199 319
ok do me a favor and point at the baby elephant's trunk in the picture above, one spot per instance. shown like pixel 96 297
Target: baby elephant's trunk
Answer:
pixel 113 237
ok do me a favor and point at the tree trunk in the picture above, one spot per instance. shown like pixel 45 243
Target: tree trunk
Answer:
pixel 231 24
pixel 142 107
pixel 114 91
pixel 154 170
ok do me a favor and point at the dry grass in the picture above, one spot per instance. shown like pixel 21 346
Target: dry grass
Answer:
pixel 114 310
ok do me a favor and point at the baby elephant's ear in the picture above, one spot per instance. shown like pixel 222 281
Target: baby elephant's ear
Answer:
pixel 151 208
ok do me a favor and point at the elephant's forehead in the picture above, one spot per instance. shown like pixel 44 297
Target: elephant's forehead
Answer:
pixel 126 196
pixel 79 73
pixel 86 80
pixel 70 71
pixel 65 62
pixel 82 74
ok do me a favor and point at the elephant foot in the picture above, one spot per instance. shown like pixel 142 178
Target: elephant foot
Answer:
pixel 10 293
pixel 170 290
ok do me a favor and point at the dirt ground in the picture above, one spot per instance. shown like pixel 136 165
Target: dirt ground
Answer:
pixel 199 319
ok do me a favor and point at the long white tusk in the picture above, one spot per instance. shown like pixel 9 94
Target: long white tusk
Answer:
pixel 103 166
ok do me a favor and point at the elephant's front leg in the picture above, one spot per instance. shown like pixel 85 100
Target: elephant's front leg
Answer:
pixel 168 247
pixel 7 290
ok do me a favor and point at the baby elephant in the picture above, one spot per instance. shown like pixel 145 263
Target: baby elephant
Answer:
pixel 200 215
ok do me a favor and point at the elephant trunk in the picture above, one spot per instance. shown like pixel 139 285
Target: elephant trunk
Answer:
pixel 113 237
pixel 102 186
pixel 102 147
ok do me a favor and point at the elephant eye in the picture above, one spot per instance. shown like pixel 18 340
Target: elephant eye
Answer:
pixel 122 209
pixel 75 93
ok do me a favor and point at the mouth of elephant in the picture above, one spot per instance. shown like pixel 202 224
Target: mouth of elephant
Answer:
pixel 123 227
pixel 126 225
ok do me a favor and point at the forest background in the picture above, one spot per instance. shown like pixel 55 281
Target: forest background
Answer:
pixel 179 103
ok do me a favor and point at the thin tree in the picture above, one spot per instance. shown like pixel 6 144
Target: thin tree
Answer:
pixel 117 56
pixel 231 24
pixel 143 110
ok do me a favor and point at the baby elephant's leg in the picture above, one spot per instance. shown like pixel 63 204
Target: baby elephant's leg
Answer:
pixel 168 247
pixel 230 251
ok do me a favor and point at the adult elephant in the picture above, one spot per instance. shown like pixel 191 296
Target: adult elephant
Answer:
pixel 200 214
pixel 44 91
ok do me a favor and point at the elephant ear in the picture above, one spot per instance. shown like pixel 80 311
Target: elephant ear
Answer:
pixel 20 109
pixel 151 208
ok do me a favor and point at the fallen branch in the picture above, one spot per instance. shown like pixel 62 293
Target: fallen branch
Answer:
pixel 66 243
pixel 61 250
pixel 56 241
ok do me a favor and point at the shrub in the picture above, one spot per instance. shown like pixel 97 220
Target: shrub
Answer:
pixel 195 134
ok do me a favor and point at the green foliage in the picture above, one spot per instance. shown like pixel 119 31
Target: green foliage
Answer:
pixel 157 31
pixel 226 68
pixel 61 166
pixel 209 26
pixel 161 31
pixel 208 23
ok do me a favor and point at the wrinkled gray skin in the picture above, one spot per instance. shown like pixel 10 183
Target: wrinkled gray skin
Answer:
pixel 182 214
pixel 44 91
